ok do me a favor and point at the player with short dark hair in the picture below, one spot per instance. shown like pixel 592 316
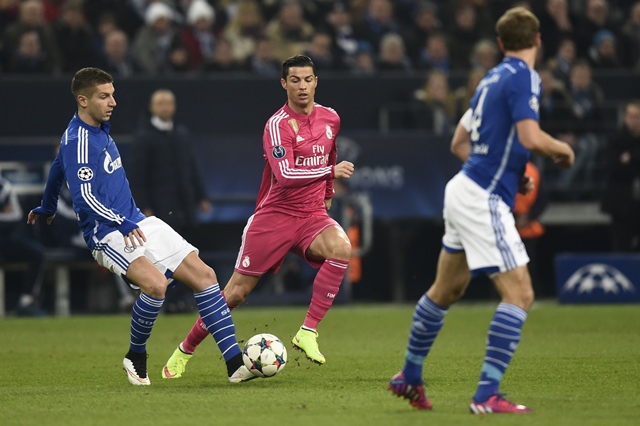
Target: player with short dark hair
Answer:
pixel 145 251
pixel 299 149
pixel 494 139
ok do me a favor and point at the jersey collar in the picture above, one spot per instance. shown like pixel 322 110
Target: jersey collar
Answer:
pixel 103 127
pixel 299 116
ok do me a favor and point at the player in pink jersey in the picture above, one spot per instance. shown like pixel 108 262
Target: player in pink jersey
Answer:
pixel 299 148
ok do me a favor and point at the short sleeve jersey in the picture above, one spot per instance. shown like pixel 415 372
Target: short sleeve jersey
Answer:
pixel 509 93
pixel 300 155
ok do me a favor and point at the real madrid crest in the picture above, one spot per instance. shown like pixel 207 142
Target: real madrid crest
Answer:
pixel 329 132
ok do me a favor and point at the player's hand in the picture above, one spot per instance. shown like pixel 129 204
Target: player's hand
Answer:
pixel 327 204
pixel 33 217
pixel 135 236
pixel 343 170
pixel 526 185
pixel 565 161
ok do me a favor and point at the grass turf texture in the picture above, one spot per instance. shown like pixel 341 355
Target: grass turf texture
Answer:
pixel 576 365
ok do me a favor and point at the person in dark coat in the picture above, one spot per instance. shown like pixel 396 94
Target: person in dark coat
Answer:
pixel 621 198
pixel 165 178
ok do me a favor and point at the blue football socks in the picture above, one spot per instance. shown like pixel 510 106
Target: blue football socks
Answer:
pixel 217 317
pixel 502 341
pixel 427 322
pixel 143 316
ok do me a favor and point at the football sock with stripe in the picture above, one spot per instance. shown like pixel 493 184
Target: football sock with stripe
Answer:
pixel 197 334
pixel 216 317
pixel 502 341
pixel 427 322
pixel 143 316
pixel 325 289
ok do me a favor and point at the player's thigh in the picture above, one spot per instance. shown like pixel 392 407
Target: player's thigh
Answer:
pixel 514 287
pixel 194 273
pixel 331 242
pixel 452 278
pixel 266 240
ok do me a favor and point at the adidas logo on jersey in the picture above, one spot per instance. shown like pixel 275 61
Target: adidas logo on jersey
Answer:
pixel 299 138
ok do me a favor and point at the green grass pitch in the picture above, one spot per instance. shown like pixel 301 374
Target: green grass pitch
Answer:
pixel 576 365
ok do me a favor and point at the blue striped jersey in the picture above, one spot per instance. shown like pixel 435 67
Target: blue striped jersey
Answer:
pixel 90 163
pixel 510 92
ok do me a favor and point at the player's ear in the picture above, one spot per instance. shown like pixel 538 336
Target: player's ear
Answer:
pixel 283 83
pixel 82 100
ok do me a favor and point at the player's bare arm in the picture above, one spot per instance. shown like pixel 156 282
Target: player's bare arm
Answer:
pixel 343 170
pixel 535 140
pixel 461 143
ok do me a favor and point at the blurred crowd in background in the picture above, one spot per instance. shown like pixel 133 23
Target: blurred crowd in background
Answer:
pixel 449 42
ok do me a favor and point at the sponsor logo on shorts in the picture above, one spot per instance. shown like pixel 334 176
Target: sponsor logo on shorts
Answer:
pixel 331 295
pixel 246 261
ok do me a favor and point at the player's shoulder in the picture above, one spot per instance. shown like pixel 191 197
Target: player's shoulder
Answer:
pixel 520 74
pixel 325 110
pixel 277 119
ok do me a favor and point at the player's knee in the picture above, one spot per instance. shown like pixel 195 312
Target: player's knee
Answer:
pixel 154 288
pixel 209 276
pixel 526 298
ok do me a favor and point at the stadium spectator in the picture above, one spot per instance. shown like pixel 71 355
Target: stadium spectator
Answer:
pixel 117 58
pixel 603 53
pixel 631 38
pixel 197 36
pixel 105 25
pixel 29 57
pixel 31 18
pixel 564 58
pixel 291 210
pixel 463 36
pixel 18 245
pixel 436 111
pixel 222 60
pixel 586 102
pixel 392 56
pixel 74 37
pixel 557 23
pixel 596 16
pixel 364 61
pixel 323 53
pixel 262 61
pixel 425 23
pixel 245 28
pixel 126 18
pixel 478 202
pixel 156 40
pixel 434 55
pixel 485 55
pixel 116 231
pixel 340 23
pixel 289 31
pixel 621 196
pixel 377 23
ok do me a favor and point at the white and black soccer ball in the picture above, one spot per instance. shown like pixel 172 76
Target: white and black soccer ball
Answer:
pixel 264 355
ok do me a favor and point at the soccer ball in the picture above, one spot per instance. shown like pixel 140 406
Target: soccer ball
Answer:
pixel 264 355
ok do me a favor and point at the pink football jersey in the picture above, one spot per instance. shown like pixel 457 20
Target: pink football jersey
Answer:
pixel 300 155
